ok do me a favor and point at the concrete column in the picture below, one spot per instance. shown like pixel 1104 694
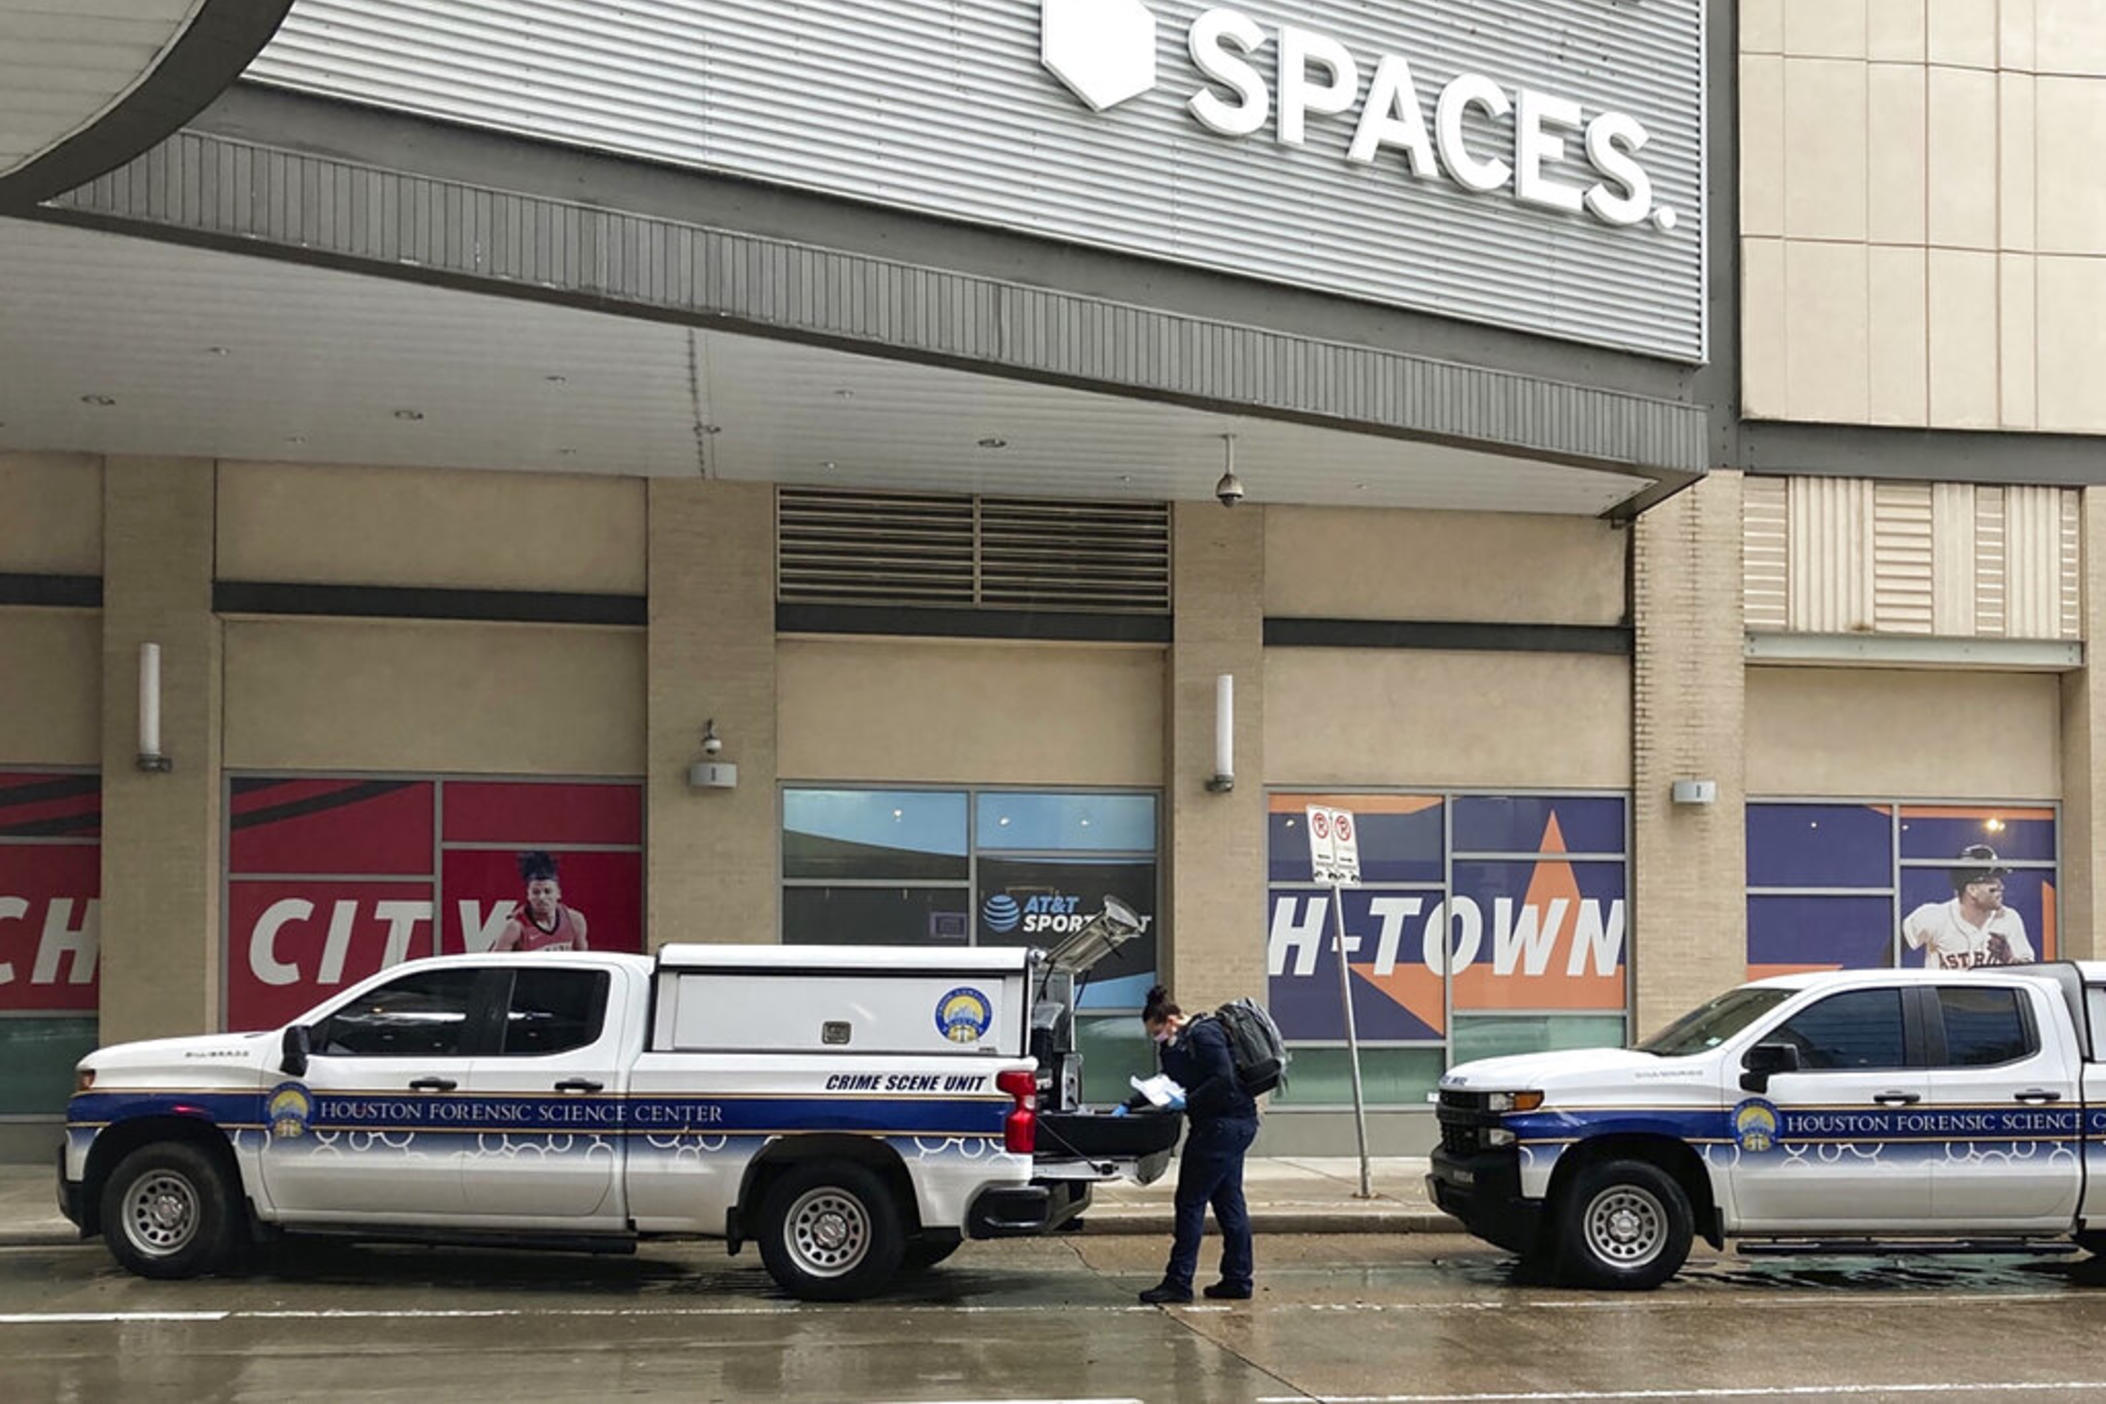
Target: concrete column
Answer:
pixel 1689 907
pixel 713 870
pixel 1216 843
pixel 2083 745
pixel 160 831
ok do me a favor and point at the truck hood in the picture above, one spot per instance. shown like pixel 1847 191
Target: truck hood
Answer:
pixel 208 1060
pixel 1575 1069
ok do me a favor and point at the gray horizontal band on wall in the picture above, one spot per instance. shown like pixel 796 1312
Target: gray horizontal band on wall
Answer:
pixel 1444 635
pixel 52 591
pixel 1072 627
pixel 399 602
pixel 224 193
pixel 1921 455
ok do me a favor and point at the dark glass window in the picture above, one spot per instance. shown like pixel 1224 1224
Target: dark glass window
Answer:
pixel 1984 1027
pixel 876 916
pixel 1856 1029
pixel 422 1015
pixel 915 835
pixel 553 1011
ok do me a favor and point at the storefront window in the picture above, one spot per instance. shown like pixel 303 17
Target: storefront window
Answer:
pixel 964 867
pixel 50 901
pixel 1483 924
pixel 1852 886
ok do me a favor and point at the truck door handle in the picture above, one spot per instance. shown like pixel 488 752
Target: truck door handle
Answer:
pixel 578 1084
pixel 1897 1099
pixel 2037 1096
pixel 433 1084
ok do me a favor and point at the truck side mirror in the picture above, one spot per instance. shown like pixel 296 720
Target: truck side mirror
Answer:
pixel 298 1047
pixel 1764 1061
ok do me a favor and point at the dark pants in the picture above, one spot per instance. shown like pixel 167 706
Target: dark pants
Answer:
pixel 1211 1172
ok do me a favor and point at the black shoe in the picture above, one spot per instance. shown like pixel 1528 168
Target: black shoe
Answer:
pixel 1222 1291
pixel 1163 1294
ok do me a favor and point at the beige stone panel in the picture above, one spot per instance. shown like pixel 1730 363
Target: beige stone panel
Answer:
pixel 1761 26
pixel 1824 28
pixel 1762 336
pixel 1963 158
pixel 50 687
pixel 2016 188
pixel 1688 907
pixel 2083 748
pixel 1895 112
pixel 2017 336
pixel 2069 301
pixel 970 711
pixel 1828 344
pixel 52 524
pixel 1964 338
pixel 1864 732
pixel 392 695
pixel 1761 144
pixel 160 914
pixel 1894 31
pixel 2069 37
pixel 1900 386
pixel 2070 132
pixel 1825 148
pixel 448 528
pixel 1343 716
pixel 1502 567
pixel 2015 47
pixel 1962 32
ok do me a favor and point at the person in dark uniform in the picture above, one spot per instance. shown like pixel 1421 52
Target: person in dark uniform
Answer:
pixel 1223 1121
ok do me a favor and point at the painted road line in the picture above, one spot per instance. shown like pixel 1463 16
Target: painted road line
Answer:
pixel 1822 1391
pixel 106 1318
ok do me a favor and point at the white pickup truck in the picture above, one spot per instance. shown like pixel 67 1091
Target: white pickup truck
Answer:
pixel 853 1110
pixel 1893 1108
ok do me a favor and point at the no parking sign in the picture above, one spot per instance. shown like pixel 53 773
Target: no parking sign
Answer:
pixel 1334 846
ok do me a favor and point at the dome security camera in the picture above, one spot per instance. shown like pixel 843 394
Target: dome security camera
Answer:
pixel 712 744
pixel 1229 490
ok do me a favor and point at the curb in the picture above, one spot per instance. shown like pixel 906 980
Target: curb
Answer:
pixel 1102 1223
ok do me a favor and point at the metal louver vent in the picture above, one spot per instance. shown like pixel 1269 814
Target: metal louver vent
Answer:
pixel 971 552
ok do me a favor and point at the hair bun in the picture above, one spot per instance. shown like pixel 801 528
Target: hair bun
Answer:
pixel 1157 994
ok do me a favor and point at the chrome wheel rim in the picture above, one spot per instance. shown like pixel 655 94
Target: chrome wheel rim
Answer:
pixel 1626 1226
pixel 161 1214
pixel 827 1232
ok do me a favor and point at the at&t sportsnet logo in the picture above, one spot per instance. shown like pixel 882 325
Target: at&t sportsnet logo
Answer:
pixel 1001 914
pixel 1039 913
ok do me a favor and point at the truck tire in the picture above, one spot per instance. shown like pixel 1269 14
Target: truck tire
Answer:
pixel 929 1249
pixel 1624 1225
pixel 169 1210
pixel 831 1232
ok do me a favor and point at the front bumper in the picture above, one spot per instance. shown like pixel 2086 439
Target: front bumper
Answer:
pixel 1021 1211
pixel 70 1193
pixel 1483 1190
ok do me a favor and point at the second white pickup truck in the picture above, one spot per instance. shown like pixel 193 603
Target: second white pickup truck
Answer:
pixel 1824 1111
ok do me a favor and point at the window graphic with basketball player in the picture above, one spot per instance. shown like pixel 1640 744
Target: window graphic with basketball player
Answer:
pixel 543 922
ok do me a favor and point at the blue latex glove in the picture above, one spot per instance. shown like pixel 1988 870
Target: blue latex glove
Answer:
pixel 1119 1110
pixel 1175 1103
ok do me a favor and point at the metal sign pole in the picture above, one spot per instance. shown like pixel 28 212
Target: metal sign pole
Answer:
pixel 1352 1035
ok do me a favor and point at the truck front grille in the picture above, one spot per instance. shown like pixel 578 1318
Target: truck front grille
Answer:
pixel 1464 1116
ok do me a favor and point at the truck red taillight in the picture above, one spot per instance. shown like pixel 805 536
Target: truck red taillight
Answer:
pixel 1020 1127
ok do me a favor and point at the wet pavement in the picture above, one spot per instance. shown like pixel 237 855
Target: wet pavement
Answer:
pixel 1411 1319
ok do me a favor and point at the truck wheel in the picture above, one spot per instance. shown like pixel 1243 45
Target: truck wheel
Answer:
pixel 169 1211
pixel 1624 1225
pixel 830 1232
pixel 929 1249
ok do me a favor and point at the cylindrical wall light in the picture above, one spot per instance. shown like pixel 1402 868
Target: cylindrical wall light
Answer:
pixel 1224 778
pixel 150 756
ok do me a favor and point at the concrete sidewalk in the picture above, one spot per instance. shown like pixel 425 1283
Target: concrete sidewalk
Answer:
pixel 1297 1195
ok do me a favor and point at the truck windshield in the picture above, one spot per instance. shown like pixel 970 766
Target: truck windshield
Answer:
pixel 1708 1026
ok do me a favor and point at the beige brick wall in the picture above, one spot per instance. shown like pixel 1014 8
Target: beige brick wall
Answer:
pixel 52 523
pixel 1688 921
pixel 2083 716
pixel 50 687
pixel 1905 260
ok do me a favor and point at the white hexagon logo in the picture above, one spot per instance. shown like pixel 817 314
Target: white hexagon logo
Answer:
pixel 1104 50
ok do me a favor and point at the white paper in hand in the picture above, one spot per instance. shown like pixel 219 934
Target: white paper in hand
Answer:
pixel 1160 1090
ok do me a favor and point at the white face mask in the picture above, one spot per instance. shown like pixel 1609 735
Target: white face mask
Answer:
pixel 1164 1034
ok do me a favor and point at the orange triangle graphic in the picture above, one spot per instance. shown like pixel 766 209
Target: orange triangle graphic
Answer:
pixel 1480 986
pixel 1412 987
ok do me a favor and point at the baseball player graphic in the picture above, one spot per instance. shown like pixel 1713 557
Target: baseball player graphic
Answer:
pixel 543 923
pixel 1975 927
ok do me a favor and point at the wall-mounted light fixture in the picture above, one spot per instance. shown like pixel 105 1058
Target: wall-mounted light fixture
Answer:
pixel 150 755
pixel 1224 778
pixel 710 773
pixel 1695 792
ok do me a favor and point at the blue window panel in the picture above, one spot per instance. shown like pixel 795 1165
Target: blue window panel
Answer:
pixel 881 834
pixel 1400 836
pixel 1054 823
pixel 1396 997
pixel 1820 845
pixel 1844 933
pixel 1522 823
pixel 2024 833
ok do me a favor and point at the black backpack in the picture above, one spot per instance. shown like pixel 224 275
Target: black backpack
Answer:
pixel 1261 1057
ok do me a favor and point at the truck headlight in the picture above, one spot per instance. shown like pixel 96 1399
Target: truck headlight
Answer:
pixel 1498 1136
pixel 1513 1101
pixel 83 1080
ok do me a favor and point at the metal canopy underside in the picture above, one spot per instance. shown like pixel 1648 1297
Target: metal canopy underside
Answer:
pixel 209 353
